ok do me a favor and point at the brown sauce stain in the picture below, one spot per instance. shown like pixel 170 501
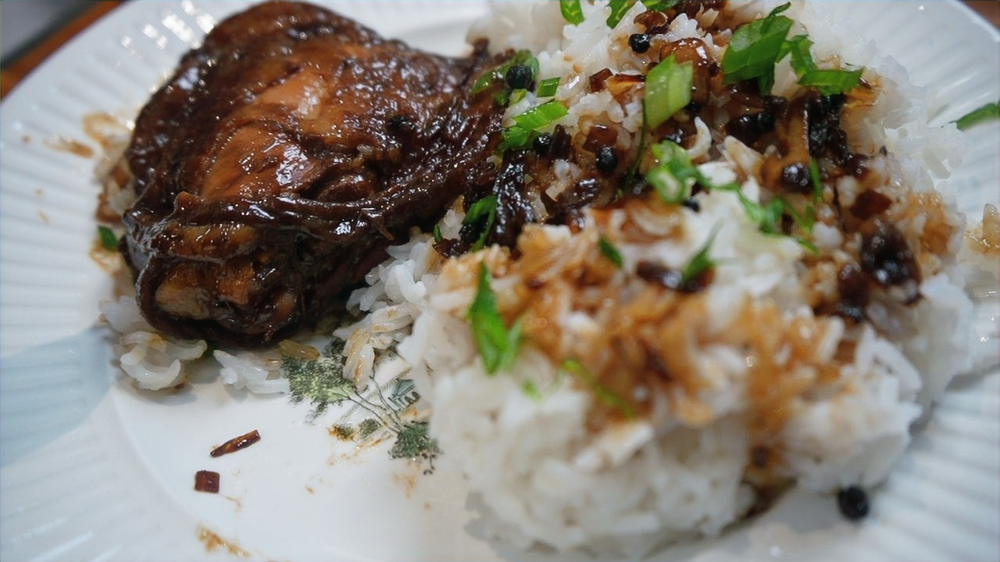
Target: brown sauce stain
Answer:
pixel 214 542
pixel 104 129
pixel 408 482
pixel 71 146
pixel 43 217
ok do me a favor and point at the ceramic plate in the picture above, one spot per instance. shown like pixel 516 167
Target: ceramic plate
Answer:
pixel 94 469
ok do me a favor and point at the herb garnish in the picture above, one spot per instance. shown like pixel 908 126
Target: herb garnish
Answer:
pixel 988 112
pixel 668 90
pixel 547 88
pixel 485 207
pixel 609 251
pixel 674 175
pixel 700 262
pixel 571 11
pixel 603 393
pixel 817 180
pixel 755 48
pixel 521 134
pixel 497 345
pixel 827 81
pixel 108 238
pixel 621 7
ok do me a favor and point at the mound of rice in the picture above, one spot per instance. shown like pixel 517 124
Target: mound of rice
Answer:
pixel 751 389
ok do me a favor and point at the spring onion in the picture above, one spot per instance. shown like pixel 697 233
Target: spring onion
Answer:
pixel 988 112
pixel 497 345
pixel 485 208
pixel 674 175
pixel 571 11
pixel 700 262
pixel 108 238
pixel 827 81
pixel 816 179
pixel 755 48
pixel 621 7
pixel 603 393
pixel 609 251
pixel 520 134
pixel 668 90
pixel 547 88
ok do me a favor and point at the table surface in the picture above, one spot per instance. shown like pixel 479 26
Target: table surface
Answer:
pixel 16 70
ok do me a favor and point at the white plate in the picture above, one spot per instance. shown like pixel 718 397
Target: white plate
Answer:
pixel 94 469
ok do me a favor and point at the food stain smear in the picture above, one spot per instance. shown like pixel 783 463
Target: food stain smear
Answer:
pixel 214 542
pixel 71 146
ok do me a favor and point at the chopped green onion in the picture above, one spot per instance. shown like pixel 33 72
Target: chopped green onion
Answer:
pixel 547 88
pixel 668 90
pixel 798 47
pixel 621 7
pixel 540 116
pixel 571 11
pixel 700 262
pixel 609 251
pixel 603 393
pixel 988 112
pixel 485 207
pixel 675 175
pixel 497 345
pixel 827 81
pixel 108 238
pixel 531 389
pixel 618 10
pixel 437 233
pixel 660 5
pixel 830 81
pixel 755 48
pixel 514 138
pixel 519 135
pixel 817 180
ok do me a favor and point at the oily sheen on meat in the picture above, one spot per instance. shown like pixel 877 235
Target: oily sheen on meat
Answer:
pixel 279 161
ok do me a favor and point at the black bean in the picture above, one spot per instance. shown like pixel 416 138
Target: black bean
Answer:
pixel 542 143
pixel 607 160
pixel 639 42
pixel 853 503
pixel 691 203
pixel 519 76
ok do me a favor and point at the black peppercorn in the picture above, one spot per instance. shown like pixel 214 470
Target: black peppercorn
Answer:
pixel 639 42
pixel 853 503
pixel 519 77
pixel 542 143
pixel 607 161
pixel 691 203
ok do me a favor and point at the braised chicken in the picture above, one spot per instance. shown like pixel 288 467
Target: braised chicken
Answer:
pixel 281 159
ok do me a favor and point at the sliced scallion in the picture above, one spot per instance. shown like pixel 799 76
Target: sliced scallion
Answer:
pixel 547 88
pixel 988 112
pixel 668 90
pixel 108 238
pixel 755 48
pixel 571 11
pixel 609 251
pixel 603 393
pixel 485 208
pixel 700 262
pixel 497 345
